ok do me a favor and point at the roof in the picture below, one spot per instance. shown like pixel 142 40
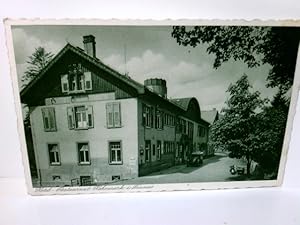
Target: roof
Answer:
pixel 210 115
pixel 182 102
pixel 93 60
pixel 187 104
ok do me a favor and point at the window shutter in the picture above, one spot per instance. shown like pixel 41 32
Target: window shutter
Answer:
pixel 64 83
pixel 52 120
pixel 71 119
pixel 88 80
pixel 117 114
pixel 109 115
pixel 90 116
pixel 49 119
pixel 45 119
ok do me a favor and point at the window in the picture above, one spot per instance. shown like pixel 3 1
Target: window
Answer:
pixel 201 131
pixel 72 82
pixel 64 83
pixel 116 177
pixel 153 150
pixel 115 152
pixel 182 126
pixel 147 151
pixel 159 119
pixel 80 117
pixel 169 147
pixel 147 115
pixel 85 180
pixel 177 149
pixel 80 81
pixel 166 147
pixel 83 153
pixel 75 182
pixel 169 120
pixel 88 80
pixel 76 80
pixel 54 158
pixel 113 115
pixel 49 119
pixel 56 178
pixel 178 126
pixel 190 129
pixel 158 146
pixel 173 121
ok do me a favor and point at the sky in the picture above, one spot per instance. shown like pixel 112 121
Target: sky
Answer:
pixel 149 52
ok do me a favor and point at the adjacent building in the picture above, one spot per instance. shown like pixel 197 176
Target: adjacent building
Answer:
pixel 92 125
pixel 211 116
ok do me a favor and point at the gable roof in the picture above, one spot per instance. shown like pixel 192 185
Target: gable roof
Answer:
pixel 95 61
pixel 210 116
pixel 182 104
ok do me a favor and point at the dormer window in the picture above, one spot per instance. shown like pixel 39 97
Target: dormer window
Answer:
pixel 72 82
pixel 80 82
pixel 76 80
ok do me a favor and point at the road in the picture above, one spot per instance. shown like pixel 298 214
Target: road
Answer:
pixel 215 169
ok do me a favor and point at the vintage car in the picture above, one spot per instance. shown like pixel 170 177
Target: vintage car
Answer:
pixel 195 159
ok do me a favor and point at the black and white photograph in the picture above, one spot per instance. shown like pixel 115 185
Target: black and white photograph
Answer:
pixel 138 106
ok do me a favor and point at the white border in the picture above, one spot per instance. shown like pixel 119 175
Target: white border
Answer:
pixel 147 187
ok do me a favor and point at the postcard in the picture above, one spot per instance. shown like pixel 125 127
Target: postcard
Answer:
pixel 131 106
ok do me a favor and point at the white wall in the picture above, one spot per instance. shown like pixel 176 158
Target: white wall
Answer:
pixel 97 137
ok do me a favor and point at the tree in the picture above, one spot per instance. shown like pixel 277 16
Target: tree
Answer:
pixel 37 61
pixel 270 130
pixel 276 46
pixel 236 130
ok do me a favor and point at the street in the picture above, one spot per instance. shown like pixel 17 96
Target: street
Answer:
pixel 213 169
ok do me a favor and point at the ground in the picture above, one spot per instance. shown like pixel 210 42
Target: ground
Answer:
pixel 215 168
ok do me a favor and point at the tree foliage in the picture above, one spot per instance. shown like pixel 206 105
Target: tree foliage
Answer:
pixel 270 130
pixel 236 130
pixel 37 61
pixel 276 46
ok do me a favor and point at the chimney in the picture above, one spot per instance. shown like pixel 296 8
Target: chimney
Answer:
pixel 89 45
pixel 157 85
